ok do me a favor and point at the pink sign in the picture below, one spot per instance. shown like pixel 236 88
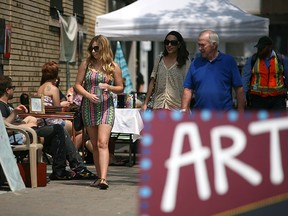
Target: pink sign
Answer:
pixel 209 163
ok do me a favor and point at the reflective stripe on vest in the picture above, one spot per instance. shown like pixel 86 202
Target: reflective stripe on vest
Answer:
pixel 267 82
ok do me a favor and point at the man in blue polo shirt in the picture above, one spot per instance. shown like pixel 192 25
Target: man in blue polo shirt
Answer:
pixel 211 77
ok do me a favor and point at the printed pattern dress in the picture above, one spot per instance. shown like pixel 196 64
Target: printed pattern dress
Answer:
pixel 102 112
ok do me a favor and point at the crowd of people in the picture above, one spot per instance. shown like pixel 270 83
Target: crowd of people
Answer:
pixel 176 83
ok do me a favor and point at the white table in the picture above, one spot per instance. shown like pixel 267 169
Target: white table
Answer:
pixel 128 122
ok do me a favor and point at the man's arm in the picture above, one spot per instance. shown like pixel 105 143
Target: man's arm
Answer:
pixel 19 109
pixel 240 98
pixel 246 75
pixel 285 65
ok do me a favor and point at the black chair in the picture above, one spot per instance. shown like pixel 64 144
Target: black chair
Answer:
pixel 24 99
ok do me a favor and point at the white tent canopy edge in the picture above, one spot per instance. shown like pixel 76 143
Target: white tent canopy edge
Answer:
pixel 151 21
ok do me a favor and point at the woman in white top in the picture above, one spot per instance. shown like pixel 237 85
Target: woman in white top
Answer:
pixel 169 72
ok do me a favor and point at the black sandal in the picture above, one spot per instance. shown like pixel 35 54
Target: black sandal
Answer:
pixel 103 185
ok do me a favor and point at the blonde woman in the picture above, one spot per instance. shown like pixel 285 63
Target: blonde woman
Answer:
pixel 100 77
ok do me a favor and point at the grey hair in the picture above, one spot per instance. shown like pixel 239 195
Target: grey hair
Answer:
pixel 213 36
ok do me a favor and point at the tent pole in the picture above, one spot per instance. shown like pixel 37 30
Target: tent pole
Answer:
pixel 67 75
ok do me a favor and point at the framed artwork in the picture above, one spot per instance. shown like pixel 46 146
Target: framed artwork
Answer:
pixel 36 104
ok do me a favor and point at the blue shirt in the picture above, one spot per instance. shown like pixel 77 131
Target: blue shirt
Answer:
pixel 246 74
pixel 212 82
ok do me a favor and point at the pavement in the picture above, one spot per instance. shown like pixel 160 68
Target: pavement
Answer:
pixel 76 197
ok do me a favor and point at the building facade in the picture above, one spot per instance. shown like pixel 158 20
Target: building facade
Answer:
pixel 277 12
pixel 35 38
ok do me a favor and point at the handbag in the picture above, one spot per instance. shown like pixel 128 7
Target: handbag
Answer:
pixel 151 99
pixel 78 121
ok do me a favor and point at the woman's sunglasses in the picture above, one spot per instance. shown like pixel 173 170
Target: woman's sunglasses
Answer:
pixel 172 42
pixel 95 48
pixel 12 87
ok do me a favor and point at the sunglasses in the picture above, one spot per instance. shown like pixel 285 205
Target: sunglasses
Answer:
pixel 172 42
pixel 96 48
pixel 12 87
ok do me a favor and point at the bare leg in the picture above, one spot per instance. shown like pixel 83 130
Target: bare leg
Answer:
pixel 89 146
pixel 68 127
pixel 78 141
pixel 30 121
pixel 100 140
pixel 93 135
pixel 112 158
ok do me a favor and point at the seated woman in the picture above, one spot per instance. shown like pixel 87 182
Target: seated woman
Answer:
pixel 51 93
pixel 64 102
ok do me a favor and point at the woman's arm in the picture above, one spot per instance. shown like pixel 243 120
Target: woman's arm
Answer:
pixel 79 80
pixel 53 92
pixel 148 94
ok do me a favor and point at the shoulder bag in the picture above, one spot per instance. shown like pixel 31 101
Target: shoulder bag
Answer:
pixel 78 121
pixel 151 99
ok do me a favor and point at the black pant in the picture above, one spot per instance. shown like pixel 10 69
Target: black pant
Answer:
pixel 72 155
pixel 57 142
pixel 268 103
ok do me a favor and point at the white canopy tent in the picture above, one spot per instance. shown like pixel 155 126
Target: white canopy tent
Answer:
pixel 146 20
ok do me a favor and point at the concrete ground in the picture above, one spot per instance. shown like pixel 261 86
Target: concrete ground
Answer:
pixel 76 197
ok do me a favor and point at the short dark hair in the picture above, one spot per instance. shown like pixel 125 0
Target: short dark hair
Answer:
pixel 5 82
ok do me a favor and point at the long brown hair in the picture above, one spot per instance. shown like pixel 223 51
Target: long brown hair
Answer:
pixel 105 53
pixel 182 54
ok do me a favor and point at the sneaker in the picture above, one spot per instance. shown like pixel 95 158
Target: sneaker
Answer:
pixel 64 175
pixel 85 174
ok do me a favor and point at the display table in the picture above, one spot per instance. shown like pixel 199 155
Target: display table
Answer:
pixel 128 121
pixel 127 127
pixel 59 115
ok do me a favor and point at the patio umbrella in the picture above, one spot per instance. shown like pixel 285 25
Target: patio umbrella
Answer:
pixel 120 60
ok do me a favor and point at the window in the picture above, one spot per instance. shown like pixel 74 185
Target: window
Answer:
pixel 78 10
pixel 54 6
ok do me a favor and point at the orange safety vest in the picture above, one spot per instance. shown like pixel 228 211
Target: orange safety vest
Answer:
pixel 267 81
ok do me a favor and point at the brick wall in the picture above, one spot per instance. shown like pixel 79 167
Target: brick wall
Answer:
pixel 35 40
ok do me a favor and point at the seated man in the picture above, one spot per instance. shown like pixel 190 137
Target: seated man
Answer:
pixel 56 139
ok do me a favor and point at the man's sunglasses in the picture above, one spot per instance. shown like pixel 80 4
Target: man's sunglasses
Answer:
pixel 95 48
pixel 12 87
pixel 172 42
